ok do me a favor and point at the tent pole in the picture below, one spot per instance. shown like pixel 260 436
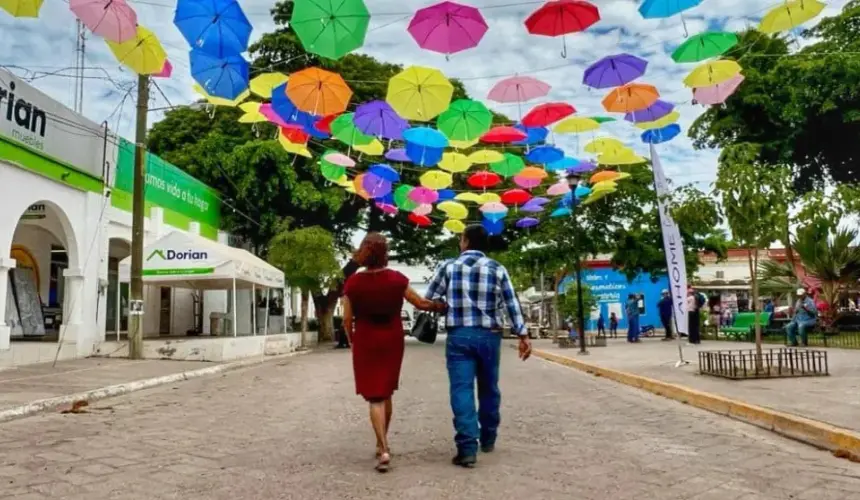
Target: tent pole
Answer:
pixel 118 304
pixel 266 324
pixel 254 308
pixel 234 306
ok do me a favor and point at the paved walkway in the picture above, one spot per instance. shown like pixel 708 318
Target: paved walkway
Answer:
pixel 834 399
pixel 30 383
pixel 295 430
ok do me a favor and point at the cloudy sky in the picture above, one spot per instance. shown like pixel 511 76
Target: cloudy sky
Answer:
pixel 44 49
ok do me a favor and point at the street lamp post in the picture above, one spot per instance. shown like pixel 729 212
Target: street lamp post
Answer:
pixel 573 182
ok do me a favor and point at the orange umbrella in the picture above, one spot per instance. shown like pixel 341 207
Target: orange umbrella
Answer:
pixel 606 175
pixel 318 92
pixel 631 97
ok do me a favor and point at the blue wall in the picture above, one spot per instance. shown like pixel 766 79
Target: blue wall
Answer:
pixel 612 288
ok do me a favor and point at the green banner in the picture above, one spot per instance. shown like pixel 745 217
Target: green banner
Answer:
pixel 168 187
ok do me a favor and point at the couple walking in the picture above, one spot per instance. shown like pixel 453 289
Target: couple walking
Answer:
pixel 476 291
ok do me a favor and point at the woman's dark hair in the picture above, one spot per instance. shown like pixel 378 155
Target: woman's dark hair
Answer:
pixel 373 251
pixel 476 238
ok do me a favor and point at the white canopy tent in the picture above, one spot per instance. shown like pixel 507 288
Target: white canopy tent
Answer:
pixel 189 261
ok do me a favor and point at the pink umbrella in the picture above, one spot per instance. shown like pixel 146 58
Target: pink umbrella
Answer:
pixel 339 159
pixel 558 188
pixel 423 195
pixel 113 20
pixel 267 111
pixel 527 182
pixel 518 89
pixel 717 94
pixel 166 70
pixel 447 27
pixel 423 209
pixel 386 208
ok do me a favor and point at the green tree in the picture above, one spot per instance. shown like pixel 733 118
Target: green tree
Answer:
pixel 755 199
pixel 569 303
pixel 307 258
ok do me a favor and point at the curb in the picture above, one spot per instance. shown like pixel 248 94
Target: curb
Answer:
pixel 111 391
pixel 843 443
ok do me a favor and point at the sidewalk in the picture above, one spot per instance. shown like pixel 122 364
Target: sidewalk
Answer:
pixel 834 399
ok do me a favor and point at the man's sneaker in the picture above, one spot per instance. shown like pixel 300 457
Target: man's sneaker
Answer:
pixel 488 448
pixel 465 461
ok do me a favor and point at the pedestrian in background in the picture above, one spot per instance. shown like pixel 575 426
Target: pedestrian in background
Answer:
pixel 478 292
pixel 601 324
pixel 694 306
pixel 805 318
pixel 633 330
pixel 664 307
pixel 613 325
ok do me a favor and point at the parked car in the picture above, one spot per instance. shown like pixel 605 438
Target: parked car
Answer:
pixel 407 322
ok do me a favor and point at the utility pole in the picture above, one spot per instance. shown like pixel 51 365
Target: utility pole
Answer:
pixel 135 333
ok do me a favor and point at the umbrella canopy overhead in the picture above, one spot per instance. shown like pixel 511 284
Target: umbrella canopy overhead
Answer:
pixel 221 77
pixel 653 112
pixel 318 92
pixel 712 73
pixel 379 119
pixel 518 89
pixel 263 84
pixel 509 166
pixel 655 9
pixel 455 226
pixel 447 27
pixel 143 54
pixel 22 8
pixel 546 114
pixel 465 119
pixel 560 17
pixel 112 20
pixel 662 122
pixel 717 93
pixel 658 135
pixel 704 46
pixel 425 136
pixel 613 71
pixel 330 29
pixel 576 125
pixel 630 97
pixel 502 134
pixel 454 162
pixel 419 94
pixel 790 15
pixel 217 27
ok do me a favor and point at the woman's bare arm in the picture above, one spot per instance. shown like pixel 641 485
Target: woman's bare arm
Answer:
pixel 347 318
pixel 421 303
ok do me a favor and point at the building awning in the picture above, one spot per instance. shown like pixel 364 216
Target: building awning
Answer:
pixel 190 261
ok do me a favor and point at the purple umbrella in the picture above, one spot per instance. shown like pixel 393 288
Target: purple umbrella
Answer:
pixel 398 155
pixel 377 118
pixel 583 168
pixel 447 27
pixel 653 112
pixel 535 205
pixel 375 186
pixel 527 222
pixel 614 71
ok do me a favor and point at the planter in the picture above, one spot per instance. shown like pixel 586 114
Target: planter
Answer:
pixel 774 363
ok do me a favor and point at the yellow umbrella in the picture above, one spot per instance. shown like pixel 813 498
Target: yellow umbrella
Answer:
pixel 789 15
pixel 220 101
pixel 662 122
pixel 22 8
pixel 474 198
pixel 455 226
pixel 143 54
pixel 375 148
pixel 419 94
pixel 712 73
pixel 624 158
pixel 576 125
pixel 594 196
pixel 462 144
pixel 486 156
pixel 607 185
pixel 454 162
pixel 604 145
pixel 262 85
pixel 291 147
pixel 436 179
pixel 453 209
pixel 252 112
pixel 344 181
pixel 489 198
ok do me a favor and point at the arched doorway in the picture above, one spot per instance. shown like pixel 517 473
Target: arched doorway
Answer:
pixel 116 324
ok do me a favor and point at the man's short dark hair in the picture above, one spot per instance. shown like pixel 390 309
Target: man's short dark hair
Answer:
pixel 476 238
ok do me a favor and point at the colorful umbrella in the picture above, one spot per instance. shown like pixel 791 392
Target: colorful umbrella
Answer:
pixel 112 20
pixel 544 155
pixel 494 210
pixel 658 135
pixel 453 209
pixel 472 197
pixel 653 112
pixel 375 186
pixel 423 209
pixel 527 222
pixel 502 133
pixel 398 155
pixel 318 92
pixel 402 200
pixel 330 29
pixel 419 94
pixel 387 208
pixel 143 54
pixel 509 166
pixel 493 227
pixel 463 144
pixel 446 194
pixel 533 173
pixel 545 114
pixel 447 27
pixel 436 179
pixel 465 119
pixel 560 17
pixel 377 118
pixel 423 155
pixel 425 136
pixel 262 85
pixel 527 182
pixel 603 119
pixel 790 15
pixel 630 97
pixel 606 175
pixel 704 46
pixel 344 130
pixel 166 70
pixel 454 162
pixel 560 212
pixel 576 125
pixel 420 220
pixel 422 194
pixel 562 164
pixel 484 180
pixel 515 197
pixel 488 198
pixel 534 135
pixel 662 122
pixel 582 168
pixel 712 73
pixel 654 9
pixel 332 172
pixel 22 8
pixel 375 148
pixel 217 27
pixel 535 205
pixel 485 156
pixel 251 112
pixel 581 191
pixel 271 115
pixel 718 93
pixel 613 71
pixel 384 172
pixel 605 145
pixel 518 89
pixel 559 188
pixel 226 78
pixel 336 158
pixel 324 124
pixel 455 226
pixel 294 134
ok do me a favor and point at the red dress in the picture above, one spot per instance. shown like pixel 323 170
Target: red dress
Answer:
pixel 377 339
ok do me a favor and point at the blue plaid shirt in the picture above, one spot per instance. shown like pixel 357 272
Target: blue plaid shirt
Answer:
pixel 477 290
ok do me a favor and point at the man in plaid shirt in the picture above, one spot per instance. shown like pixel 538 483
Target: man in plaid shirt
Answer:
pixel 477 290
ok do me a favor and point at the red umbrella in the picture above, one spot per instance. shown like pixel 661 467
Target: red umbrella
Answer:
pixel 502 134
pixel 545 114
pixel 484 179
pixel 324 123
pixel 420 220
pixel 560 17
pixel 295 134
pixel 515 197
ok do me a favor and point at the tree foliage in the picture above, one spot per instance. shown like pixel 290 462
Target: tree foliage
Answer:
pixel 569 303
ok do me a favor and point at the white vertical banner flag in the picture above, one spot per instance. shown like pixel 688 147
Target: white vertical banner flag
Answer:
pixel 673 246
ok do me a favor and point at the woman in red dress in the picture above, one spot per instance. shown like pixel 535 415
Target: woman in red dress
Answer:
pixel 373 300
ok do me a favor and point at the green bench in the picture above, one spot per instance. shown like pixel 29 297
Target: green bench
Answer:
pixel 744 325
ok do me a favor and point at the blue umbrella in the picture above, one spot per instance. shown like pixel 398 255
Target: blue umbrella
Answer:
pixel 425 136
pixel 398 155
pixel 226 78
pixel 654 9
pixel 384 172
pixel 446 194
pixel 567 200
pixel 658 135
pixel 581 191
pixel 388 199
pixel 217 27
pixel 562 164
pixel 423 155
pixel 560 212
pixel 544 154
pixel 284 107
pixel 493 227
pixel 534 135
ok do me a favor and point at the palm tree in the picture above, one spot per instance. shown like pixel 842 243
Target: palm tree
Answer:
pixel 778 279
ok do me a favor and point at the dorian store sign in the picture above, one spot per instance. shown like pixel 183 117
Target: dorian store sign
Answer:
pixel 33 119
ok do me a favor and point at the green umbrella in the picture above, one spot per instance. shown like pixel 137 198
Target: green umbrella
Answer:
pixel 330 29
pixel 331 172
pixel 603 119
pixel 510 166
pixel 401 198
pixel 465 120
pixel 704 46
pixel 344 130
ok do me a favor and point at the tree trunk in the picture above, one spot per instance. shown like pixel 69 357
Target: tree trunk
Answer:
pixel 324 308
pixel 304 317
pixel 753 261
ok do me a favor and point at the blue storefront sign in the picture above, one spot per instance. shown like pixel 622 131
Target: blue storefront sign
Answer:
pixel 611 289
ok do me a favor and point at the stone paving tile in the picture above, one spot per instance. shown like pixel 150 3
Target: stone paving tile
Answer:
pixel 296 430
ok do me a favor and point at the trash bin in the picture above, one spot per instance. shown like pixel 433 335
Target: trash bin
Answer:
pixel 217 324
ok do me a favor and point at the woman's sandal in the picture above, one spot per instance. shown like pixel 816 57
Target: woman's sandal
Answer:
pixel 384 463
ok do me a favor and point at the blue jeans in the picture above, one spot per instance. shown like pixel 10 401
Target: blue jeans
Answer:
pixel 473 353
pixel 633 328
pixel 798 326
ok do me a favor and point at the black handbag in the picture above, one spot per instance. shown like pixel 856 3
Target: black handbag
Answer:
pixel 426 327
